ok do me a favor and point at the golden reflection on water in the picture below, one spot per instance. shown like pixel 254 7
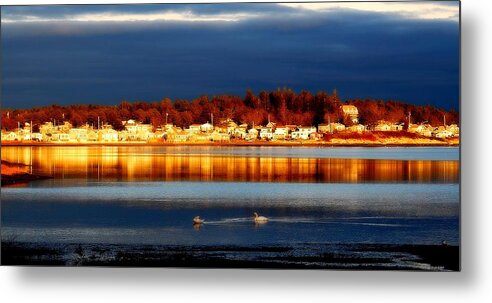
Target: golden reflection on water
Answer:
pixel 123 164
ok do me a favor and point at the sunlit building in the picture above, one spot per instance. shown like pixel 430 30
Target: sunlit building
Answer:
pixel 350 111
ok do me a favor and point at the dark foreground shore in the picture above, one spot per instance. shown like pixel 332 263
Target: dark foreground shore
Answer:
pixel 299 256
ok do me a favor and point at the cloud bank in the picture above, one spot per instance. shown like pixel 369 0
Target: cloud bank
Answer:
pixel 107 53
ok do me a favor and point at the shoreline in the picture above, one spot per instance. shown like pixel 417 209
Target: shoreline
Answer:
pixel 16 173
pixel 351 143
pixel 357 256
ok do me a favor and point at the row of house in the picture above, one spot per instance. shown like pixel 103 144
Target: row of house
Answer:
pixel 225 131
pixel 428 130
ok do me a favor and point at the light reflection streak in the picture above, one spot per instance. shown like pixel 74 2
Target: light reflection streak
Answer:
pixel 116 164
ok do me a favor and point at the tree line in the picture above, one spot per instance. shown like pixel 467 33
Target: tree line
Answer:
pixel 283 106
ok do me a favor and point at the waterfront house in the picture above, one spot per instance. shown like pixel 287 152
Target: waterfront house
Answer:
pixel 281 133
pixel 337 127
pixel 138 131
pixel 443 134
pixel 60 137
pixel 422 129
pixel 65 127
pixel 220 137
pixel 177 135
pixel 303 132
pixel 240 132
pixel 316 136
pixel 200 137
pixel 266 133
pixel 9 136
pixel 195 128
pixel 78 134
pixel 158 135
pixel 130 125
pixel 357 128
pixel 271 125
pixel 324 128
pixel 181 136
pixel 37 137
pixel 252 134
pixel 331 127
pixel 206 127
pixel 383 126
pixel 386 126
pixel 291 128
pixel 168 127
pixel 454 129
pixel 221 129
pixel 46 128
pixel 231 127
pixel 123 136
pixel 108 134
pixel 397 127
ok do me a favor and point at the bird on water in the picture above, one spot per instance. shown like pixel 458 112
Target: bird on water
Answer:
pixel 260 219
pixel 198 220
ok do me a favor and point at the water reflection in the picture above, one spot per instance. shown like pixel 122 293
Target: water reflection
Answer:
pixel 131 164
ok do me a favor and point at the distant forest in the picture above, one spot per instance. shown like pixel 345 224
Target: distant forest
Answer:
pixel 283 106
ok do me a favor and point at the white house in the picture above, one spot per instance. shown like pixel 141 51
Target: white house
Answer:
pixel 206 127
pixel 423 129
pixel 444 134
pixel 78 134
pixel 108 135
pixel 281 133
pixel 201 137
pixel 9 136
pixel 383 126
pixel 454 129
pixel 137 131
pixel 324 128
pixel 195 128
pixel 331 127
pixel 220 137
pixel 303 132
pixel 61 137
pixel 252 134
pixel 357 128
pixel 266 133
pixel 37 137
pixel 386 126
pixel 240 132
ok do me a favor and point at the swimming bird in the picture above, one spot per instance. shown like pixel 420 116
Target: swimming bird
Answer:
pixel 260 219
pixel 197 220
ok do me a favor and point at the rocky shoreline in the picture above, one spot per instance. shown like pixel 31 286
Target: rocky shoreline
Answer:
pixel 17 174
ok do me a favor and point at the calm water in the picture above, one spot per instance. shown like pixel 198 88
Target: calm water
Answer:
pixel 317 195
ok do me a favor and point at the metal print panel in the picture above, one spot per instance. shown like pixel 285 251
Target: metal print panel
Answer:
pixel 318 135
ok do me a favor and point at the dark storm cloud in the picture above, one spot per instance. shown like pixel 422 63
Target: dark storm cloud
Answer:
pixel 362 54
pixel 71 10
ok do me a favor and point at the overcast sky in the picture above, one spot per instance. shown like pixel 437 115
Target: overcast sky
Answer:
pixel 108 53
